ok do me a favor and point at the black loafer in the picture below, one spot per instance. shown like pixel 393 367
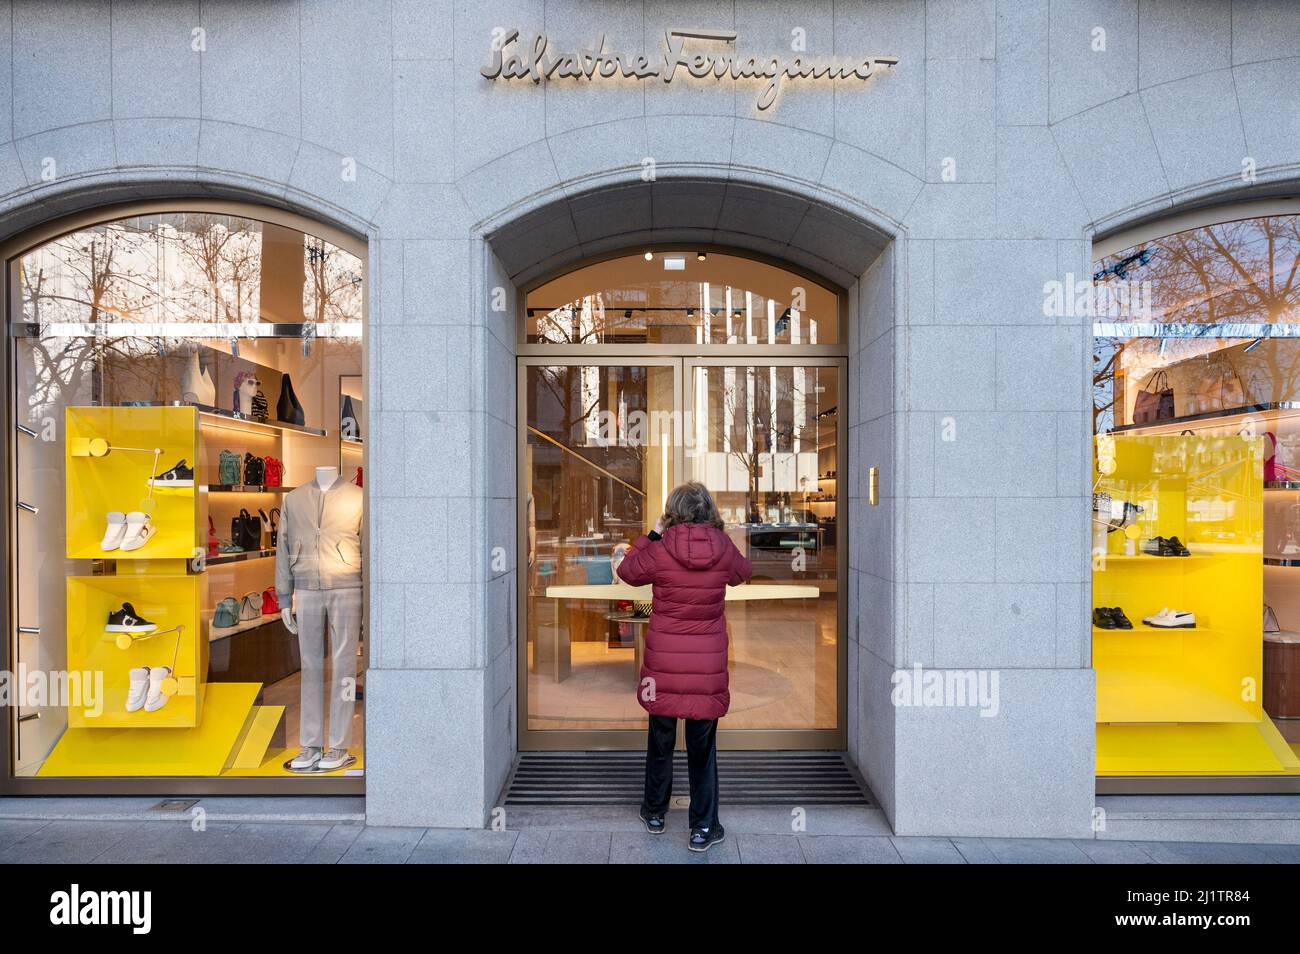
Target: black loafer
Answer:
pixel 702 839
pixel 1101 618
pixel 1176 547
pixel 1121 621
pixel 653 823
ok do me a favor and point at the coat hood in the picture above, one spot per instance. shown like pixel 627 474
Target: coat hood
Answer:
pixel 696 546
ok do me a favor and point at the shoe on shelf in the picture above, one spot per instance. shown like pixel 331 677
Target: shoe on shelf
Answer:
pixel 1101 618
pixel 1165 547
pixel 1121 621
pixel 1171 619
pixel 181 475
pixel 702 839
pixel 156 698
pixel 305 759
pixel 139 528
pixel 1177 547
pixel 114 532
pixel 127 620
pixel 654 822
pixel 139 686
pixel 333 759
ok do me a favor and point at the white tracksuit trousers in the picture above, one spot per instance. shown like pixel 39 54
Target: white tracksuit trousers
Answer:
pixel 339 613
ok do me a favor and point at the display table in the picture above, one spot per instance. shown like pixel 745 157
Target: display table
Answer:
pixel 557 656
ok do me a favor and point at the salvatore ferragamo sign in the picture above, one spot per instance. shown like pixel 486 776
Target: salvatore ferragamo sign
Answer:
pixel 511 60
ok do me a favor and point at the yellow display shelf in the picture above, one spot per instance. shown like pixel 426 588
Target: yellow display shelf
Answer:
pixel 1195 691
pixel 1205 748
pixel 201 750
pixel 110 462
pixel 170 600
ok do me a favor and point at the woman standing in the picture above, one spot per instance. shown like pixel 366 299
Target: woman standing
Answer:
pixel 690 562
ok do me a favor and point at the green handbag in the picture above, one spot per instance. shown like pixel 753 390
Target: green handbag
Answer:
pixel 227 613
pixel 228 470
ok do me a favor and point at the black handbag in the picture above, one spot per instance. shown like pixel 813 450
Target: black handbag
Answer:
pixel 274 524
pixel 288 409
pixel 246 531
pixel 254 471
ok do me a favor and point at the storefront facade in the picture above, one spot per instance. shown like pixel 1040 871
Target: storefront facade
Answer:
pixel 914 182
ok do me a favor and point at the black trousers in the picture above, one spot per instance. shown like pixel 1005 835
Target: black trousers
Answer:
pixel 701 764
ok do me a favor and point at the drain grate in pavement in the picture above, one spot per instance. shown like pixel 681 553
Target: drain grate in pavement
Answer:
pixel 744 778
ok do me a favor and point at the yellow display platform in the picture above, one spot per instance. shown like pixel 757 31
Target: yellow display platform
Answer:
pixel 272 766
pixel 201 750
pixel 1202 748
pixel 250 749
pixel 170 600
pixel 99 482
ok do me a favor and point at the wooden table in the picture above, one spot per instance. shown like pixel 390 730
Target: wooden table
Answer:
pixel 558 656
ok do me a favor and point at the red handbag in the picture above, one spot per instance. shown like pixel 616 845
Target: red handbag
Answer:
pixel 270 602
pixel 274 472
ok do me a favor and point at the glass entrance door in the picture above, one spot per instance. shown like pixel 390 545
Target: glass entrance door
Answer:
pixel 602 443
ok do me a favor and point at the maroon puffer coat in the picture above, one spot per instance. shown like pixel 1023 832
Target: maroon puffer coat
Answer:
pixel 686 643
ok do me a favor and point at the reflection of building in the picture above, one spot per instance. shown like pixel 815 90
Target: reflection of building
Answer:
pixel 921 214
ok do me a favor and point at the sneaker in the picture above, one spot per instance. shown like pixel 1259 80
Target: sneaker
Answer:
pixel 139 528
pixel 305 759
pixel 654 823
pixel 182 475
pixel 1171 619
pixel 1177 547
pixel 127 620
pixel 333 759
pixel 156 698
pixel 114 532
pixel 1121 621
pixel 702 839
pixel 1101 618
pixel 138 687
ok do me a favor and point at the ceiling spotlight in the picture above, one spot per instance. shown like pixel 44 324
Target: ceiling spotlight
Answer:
pixel 649 256
pixel 701 256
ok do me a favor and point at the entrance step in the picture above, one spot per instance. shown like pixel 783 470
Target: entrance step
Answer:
pixel 544 779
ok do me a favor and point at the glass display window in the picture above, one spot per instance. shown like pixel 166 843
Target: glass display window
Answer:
pixel 1196 503
pixel 187 389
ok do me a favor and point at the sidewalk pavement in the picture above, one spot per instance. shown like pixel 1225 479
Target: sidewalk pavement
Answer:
pixel 332 831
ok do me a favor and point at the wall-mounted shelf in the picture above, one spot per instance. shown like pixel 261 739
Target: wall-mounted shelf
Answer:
pixel 1281 561
pixel 244 489
pixel 230 418
pixel 221 558
pixel 1282 485
pixel 221 632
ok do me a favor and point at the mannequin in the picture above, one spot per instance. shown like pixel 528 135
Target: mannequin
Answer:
pixel 318 581
pixel 246 385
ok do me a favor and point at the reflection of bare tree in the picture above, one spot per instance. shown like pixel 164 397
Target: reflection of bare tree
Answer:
pixel 228 254
pixel 1105 358
pixel 1234 272
pixel 333 289
pixel 758 421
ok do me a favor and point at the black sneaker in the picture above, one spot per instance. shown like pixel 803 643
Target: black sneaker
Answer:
pixel 653 823
pixel 1176 547
pixel 127 620
pixel 182 475
pixel 1101 618
pixel 702 839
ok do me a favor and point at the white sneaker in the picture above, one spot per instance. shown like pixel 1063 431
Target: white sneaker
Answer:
pixel 156 699
pixel 139 686
pixel 306 759
pixel 139 529
pixel 333 759
pixel 1172 619
pixel 115 531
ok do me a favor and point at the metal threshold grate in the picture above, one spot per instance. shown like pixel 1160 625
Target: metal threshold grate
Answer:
pixel 744 778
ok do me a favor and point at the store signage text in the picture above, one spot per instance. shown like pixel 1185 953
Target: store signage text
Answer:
pixel 512 60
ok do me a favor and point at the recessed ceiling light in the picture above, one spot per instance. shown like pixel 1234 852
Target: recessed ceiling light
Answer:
pixel 649 256
pixel 701 256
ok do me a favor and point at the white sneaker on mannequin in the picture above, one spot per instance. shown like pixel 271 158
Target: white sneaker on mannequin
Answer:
pixel 306 759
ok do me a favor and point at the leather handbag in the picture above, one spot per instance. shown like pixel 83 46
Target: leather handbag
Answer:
pixel 250 607
pixel 227 613
pixel 270 602
pixel 349 426
pixel 289 409
pixel 275 527
pixel 228 468
pixel 214 545
pixel 1155 402
pixel 254 470
pixel 246 531
pixel 274 467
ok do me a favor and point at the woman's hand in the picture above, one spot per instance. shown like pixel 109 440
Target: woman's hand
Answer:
pixel 659 526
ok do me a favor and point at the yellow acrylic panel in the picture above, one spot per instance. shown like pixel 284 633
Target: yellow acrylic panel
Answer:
pixel 202 750
pixel 1205 748
pixel 119 479
pixel 256 738
pixel 168 600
